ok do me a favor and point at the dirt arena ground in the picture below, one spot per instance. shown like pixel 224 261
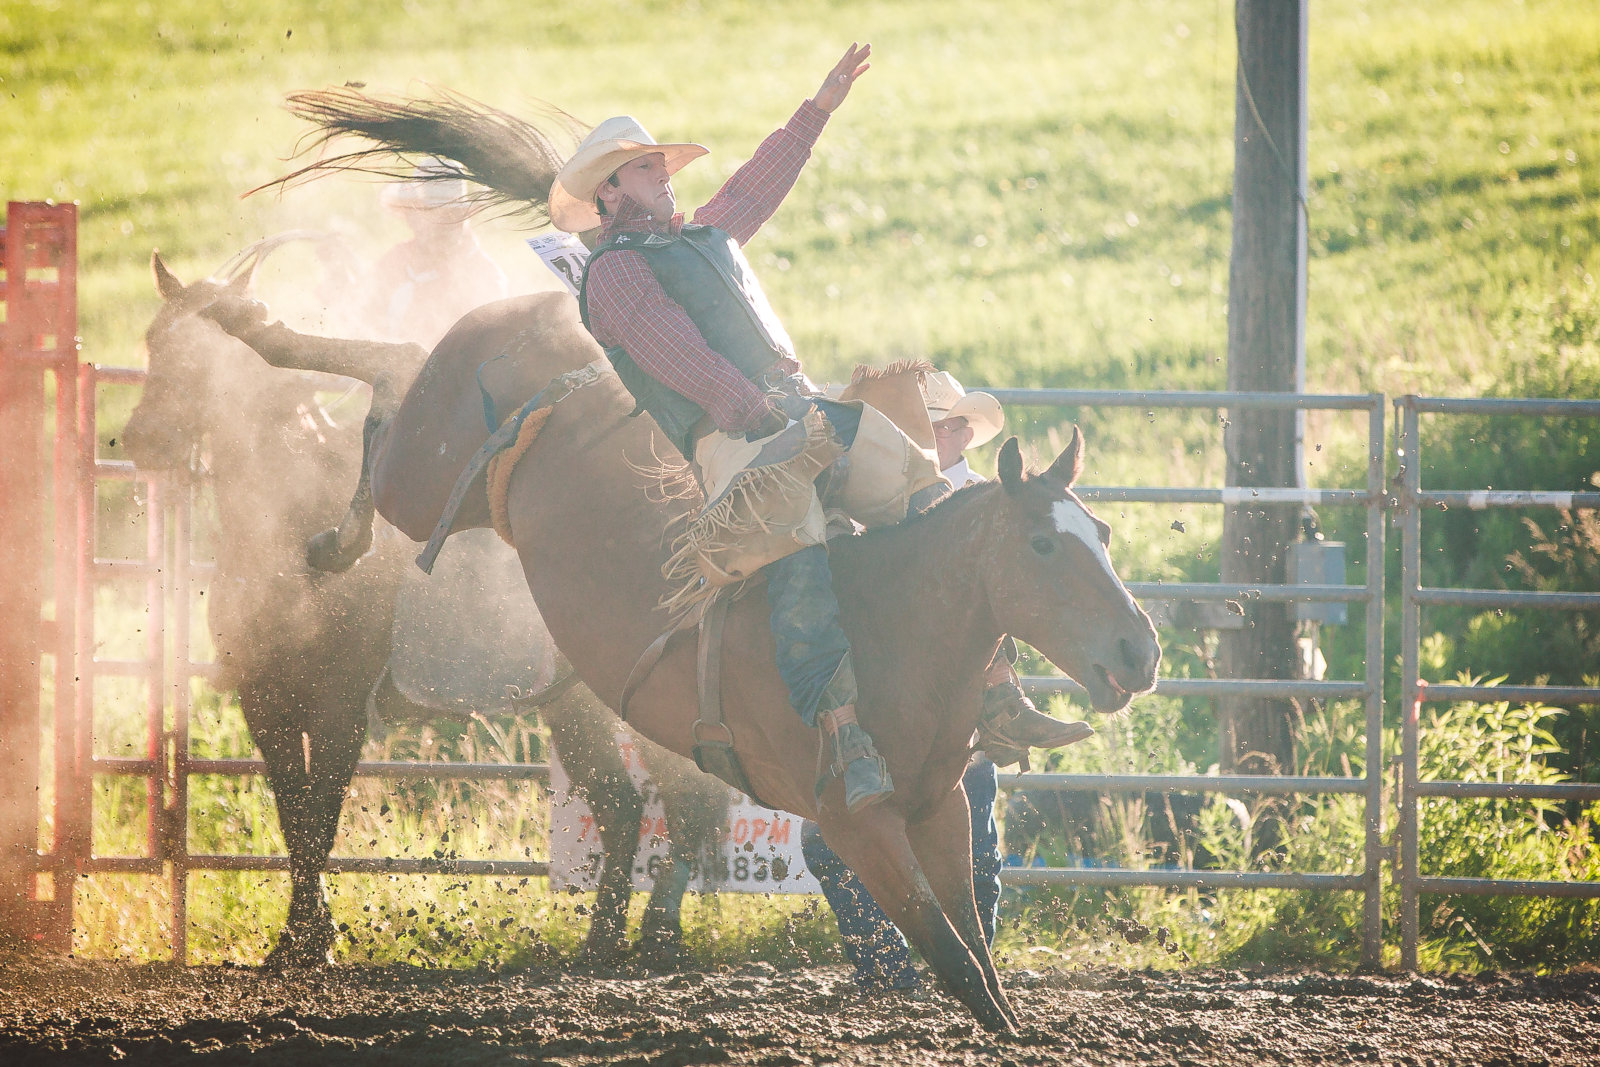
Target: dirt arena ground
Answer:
pixel 65 1011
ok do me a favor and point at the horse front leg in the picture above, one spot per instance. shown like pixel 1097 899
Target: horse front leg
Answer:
pixel 942 843
pixel 583 732
pixel 876 846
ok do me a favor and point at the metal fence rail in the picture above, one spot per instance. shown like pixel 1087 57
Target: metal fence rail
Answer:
pixel 1415 691
pixel 1369 688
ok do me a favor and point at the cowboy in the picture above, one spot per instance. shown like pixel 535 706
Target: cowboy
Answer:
pixel 1010 725
pixel 686 324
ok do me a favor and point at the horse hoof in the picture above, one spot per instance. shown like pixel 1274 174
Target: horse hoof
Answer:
pixel 290 953
pixel 605 955
pixel 661 954
pixel 324 554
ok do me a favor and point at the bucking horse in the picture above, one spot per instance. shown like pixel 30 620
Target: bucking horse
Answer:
pixel 308 651
pixel 924 603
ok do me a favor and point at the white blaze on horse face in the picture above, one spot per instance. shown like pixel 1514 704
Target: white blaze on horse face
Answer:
pixel 1071 517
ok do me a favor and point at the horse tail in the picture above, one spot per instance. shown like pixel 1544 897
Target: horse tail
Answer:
pixel 512 161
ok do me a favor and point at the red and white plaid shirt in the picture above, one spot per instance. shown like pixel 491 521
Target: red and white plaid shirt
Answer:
pixel 628 307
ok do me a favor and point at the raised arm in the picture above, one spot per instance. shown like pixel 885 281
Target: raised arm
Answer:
pixel 754 191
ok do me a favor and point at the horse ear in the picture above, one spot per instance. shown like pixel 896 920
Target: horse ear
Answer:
pixel 1011 464
pixel 167 283
pixel 1065 470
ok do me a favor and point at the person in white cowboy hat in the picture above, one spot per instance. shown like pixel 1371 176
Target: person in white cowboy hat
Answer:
pixel 685 322
pixel 419 288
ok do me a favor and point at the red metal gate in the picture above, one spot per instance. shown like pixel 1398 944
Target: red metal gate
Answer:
pixel 44 826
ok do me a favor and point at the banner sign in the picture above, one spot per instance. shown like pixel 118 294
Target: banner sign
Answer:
pixel 759 849
pixel 564 254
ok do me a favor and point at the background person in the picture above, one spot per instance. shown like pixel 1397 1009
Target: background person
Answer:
pixel 419 288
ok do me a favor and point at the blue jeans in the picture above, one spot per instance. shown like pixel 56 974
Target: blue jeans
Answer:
pixel 805 625
pixel 880 955
pixel 805 613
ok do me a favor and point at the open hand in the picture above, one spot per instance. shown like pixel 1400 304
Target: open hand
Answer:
pixel 836 86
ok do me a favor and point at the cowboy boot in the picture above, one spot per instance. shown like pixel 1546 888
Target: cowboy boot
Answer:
pixel 1010 725
pixel 854 758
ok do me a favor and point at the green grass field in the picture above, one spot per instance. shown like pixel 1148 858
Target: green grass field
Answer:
pixel 1030 194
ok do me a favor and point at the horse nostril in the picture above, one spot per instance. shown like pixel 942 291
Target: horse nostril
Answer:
pixel 1130 658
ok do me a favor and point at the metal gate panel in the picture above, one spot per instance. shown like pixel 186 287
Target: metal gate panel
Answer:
pixel 38 253
pixel 1415 691
pixel 1375 501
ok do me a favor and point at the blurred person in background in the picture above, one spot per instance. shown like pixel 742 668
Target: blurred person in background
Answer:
pixel 419 288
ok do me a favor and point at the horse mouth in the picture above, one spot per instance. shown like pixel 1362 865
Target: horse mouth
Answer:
pixel 1120 696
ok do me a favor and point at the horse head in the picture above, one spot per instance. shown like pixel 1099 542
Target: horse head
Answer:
pixel 200 379
pixel 1050 582
pixel 184 383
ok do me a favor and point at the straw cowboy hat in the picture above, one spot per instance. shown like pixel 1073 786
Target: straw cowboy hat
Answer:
pixel 434 184
pixel 608 146
pixel 946 399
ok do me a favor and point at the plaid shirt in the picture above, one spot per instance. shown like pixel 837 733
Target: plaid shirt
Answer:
pixel 628 307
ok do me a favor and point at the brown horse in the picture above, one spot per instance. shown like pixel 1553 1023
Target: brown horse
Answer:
pixel 303 649
pixel 924 605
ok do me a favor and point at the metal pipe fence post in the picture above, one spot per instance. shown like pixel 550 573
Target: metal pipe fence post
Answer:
pixel 178 801
pixel 82 826
pixel 1377 517
pixel 1410 688
pixel 155 666
pixel 63 708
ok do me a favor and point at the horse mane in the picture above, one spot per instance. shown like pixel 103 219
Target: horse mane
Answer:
pixel 514 162
pixel 945 506
pixel 913 365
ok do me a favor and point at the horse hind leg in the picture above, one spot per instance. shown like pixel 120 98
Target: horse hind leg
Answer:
pixel 583 732
pixel 696 808
pixel 336 550
pixel 390 368
pixel 307 937
pixel 875 845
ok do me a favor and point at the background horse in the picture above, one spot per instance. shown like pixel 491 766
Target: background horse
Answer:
pixel 303 649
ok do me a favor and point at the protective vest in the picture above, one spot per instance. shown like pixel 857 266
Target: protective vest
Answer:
pixel 704 270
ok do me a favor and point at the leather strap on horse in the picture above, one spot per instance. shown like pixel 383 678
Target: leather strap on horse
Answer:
pixel 548 695
pixel 560 387
pixel 713 738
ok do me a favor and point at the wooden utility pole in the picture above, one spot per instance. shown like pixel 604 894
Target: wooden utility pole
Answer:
pixel 1266 353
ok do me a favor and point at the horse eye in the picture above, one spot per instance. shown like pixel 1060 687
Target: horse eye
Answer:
pixel 1104 530
pixel 1043 545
